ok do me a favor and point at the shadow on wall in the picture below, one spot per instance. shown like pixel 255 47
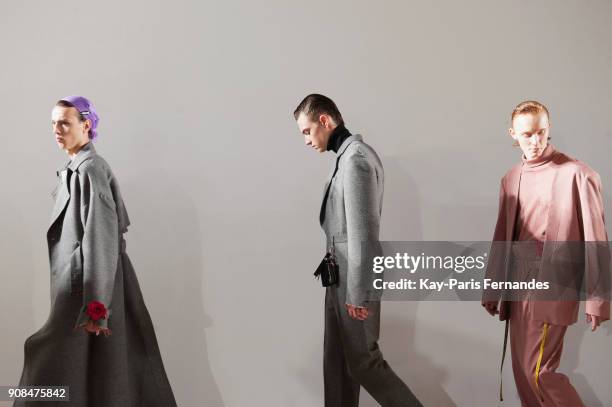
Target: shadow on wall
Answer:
pixel 423 377
pixel 402 221
pixel 402 218
pixel 570 361
pixel 18 270
pixel 166 243
pixel 573 343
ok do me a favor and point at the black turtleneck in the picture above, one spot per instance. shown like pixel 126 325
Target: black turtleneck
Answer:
pixel 337 137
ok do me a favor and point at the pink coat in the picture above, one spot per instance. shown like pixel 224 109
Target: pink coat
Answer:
pixel 576 214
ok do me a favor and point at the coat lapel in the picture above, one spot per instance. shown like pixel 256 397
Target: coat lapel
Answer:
pixel 326 191
pixel 552 223
pixel 341 150
pixel 63 195
pixel 65 174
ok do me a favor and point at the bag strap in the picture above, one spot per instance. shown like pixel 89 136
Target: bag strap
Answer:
pixel 501 369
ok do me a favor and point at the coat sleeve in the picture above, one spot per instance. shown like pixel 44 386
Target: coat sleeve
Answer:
pixel 597 252
pixel 362 226
pixel 100 244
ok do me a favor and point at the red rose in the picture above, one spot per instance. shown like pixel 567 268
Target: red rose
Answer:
pixel 96 311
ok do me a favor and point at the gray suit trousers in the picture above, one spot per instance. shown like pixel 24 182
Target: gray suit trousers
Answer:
pixel 352 358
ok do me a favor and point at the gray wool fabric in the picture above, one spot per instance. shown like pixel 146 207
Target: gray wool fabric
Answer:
pixel 88 262
pixel 350 217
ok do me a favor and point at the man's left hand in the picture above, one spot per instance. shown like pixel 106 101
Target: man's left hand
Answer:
pixel 93 328
pixel 594 320
pixel 359 313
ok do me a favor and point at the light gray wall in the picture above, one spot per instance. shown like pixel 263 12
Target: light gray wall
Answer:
pixel 196 101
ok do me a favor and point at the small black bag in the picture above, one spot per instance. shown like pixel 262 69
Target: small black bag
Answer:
pixel 328 269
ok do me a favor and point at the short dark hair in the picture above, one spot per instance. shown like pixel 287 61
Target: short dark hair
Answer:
pixel 315 105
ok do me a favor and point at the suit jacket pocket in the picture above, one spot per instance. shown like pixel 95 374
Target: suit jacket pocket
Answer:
pixel 55 190
pixel 76 271
pixel 108 200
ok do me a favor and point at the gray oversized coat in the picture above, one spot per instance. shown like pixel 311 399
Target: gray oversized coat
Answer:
pixel 88 262
pixel 350 217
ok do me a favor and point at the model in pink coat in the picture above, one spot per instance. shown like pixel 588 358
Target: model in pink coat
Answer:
pixel 546 201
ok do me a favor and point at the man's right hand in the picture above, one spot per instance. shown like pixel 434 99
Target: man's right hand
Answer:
pixel 491 307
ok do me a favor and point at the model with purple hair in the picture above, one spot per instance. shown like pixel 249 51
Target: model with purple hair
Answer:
pixel 94 289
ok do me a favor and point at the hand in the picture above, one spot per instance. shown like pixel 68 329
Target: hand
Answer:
pixel 359 313
pixel 594 320
pixel 491 307
pixel 92 327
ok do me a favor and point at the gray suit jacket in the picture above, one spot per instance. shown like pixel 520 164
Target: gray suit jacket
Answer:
pixel 350 216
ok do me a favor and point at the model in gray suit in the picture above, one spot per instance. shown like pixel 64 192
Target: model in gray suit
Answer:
pixel 94 289
pixel 350 217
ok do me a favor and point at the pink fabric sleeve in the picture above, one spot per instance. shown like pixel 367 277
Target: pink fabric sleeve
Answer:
pixel 597 253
